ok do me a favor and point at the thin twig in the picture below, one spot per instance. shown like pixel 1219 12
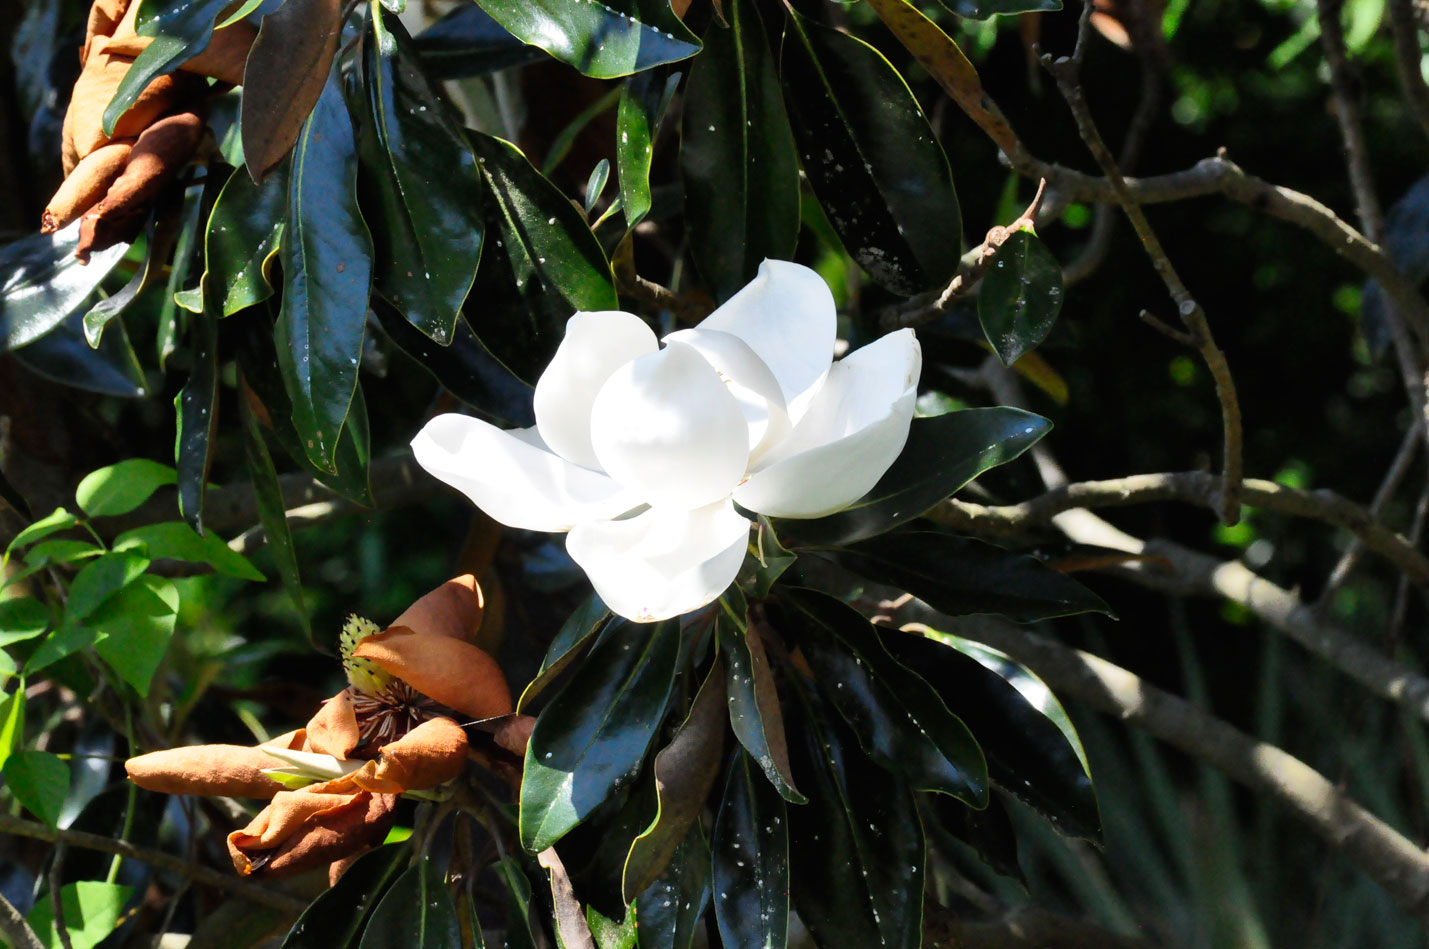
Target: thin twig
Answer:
pixel 1067 72
pixel 1347 114
pixel 1406 60
pixel 1386 856
pixel 687 310
pixel 1195 487
pixel 244 889
pixel 974 264
pixel 17 931
pixel 56 888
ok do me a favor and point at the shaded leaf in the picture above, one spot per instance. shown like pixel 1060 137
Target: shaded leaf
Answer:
pixel 1032 751
pixel 942 455
pixel 766 560
pixel 417 912
pixel 467 42
pixel 64 356
pixel 41 283
pixel 286 72
pixel 21 618
pixel 339 914
pixel 750 849
pixel 754 711
pixel 175 540
pixel 122 487
pixel 427 229
pixel 685 770
pixel 196 415
pixel 540 264
pixel 161 233
pixel 857 847
pixel 982 9
pixel 180 31
pixel 988 831
pixel 39 780
pixel 871 157
pixel 737 156
pixel 900 720
pixel 671 909
pixel 592 736
pixel 52 523
pixel 101 578
pixel 1021 296
pixel 519 933
pixel 567 645
pixel 601 39
pixel 959 575
pixel 327 268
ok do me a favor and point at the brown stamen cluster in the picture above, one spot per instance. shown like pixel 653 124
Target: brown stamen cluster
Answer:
pixel 386 715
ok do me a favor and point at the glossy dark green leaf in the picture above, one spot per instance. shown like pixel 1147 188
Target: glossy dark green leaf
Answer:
pixel 754 711
pixel 988 831
pixel 467 42
pixel 1021 296
pixel 766 560
pixel 41 283
pixel 593 735
pixel 959 575
pixel 62 355
pixel 10 495
pixel 259 362
pixel 750 849
pixel 420 177
pixel 135 626
pixel 642 106
pixel 337 917
pixel 327 268
pixel 417 912
pixel 121 487
pixel 685 770
pixel 737 155
pixel 871 157
pixel 900 720
pixel 162 232
pixel 464 368
pixel 540 264
pixel 245 228
pixel 196 413
pixel 39 780
pixel 288 71
pixel 982 9
pixel 198 202
pixel 1029 754
pixel 595 184
pixel 568 645
pixel 857 871
pixel 176 540
pixel 268 494
pixel 180 30
pixel 942 455
pixel 519 932
pixel 669 912
pixel 601 39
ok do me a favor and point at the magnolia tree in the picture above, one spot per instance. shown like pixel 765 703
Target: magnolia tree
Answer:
pixel 736 629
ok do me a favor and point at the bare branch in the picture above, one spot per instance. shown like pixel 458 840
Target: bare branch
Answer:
pixel 17 932
pixel 251 892
pixel 1386 856
pixel 1406 59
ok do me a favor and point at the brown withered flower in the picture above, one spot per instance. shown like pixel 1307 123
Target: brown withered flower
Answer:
pixel 396 728
pixel 110 181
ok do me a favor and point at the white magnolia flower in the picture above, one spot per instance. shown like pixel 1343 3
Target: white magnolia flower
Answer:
pixel 641 452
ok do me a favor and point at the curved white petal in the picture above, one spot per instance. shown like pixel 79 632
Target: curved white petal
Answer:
pixel 787 316
pixel 665 425
pixel 663 562
pixel 748 379
pixel 848 438
pixel 512 477
pixel 595 345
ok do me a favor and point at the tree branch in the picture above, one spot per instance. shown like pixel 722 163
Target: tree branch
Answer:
pixel 1406 60
pixel 17 931
pixel 1382 853
pixel 244 889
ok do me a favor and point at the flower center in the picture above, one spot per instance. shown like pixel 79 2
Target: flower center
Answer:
pixel 386 715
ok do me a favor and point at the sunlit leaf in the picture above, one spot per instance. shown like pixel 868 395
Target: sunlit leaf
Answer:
pixel 122 487
pixel 601 39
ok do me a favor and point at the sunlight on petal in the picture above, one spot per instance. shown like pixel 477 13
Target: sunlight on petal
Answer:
pixel 748 379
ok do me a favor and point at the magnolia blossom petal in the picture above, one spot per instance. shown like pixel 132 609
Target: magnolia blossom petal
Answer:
pixel 748 379
pixel 431 754
pixel 595 345
pixel 450 671
pixel 849 437
pixel 663 562
pixel 514 478
pixel 333 729
pixel 305 829
pixel 229 770
pixel 666 426
pixel 452 609
pixel 787 316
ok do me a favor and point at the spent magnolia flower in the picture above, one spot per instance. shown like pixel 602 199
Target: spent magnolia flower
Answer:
pixel 641 451
pixel 333 785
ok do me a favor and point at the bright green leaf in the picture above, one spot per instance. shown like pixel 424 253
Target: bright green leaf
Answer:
pixel 175 540
pixel 39 780
pixel 120 488
pixel 91 908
